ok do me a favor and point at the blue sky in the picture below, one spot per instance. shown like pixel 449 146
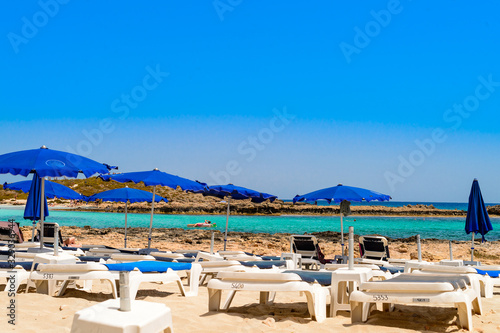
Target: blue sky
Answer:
pixel 284 97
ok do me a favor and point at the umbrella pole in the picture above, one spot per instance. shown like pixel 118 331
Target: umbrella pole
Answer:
pixel 451 253
pixel 151 219
pixel 125 239
pixel 351 248
pixel 227 221
pixel 419 249
pixel 42 213
pixel 342 232
pixel 472 247
pixel 33 231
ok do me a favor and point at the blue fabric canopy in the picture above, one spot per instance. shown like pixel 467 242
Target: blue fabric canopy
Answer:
pixel 238 193
pixel 126 194
pixel 51 163
pixel 340 192
pixel 52 189
pixel 478 220
pixel 33 209
pixel 156 177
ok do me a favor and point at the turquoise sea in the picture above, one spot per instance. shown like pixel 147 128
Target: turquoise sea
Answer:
pixel 395 227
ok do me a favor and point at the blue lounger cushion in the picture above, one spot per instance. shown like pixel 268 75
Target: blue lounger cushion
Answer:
pixel 24 264
pixel 263 264
pixel 493 274
pixel 149 266
pixel 323 278
pixel 270 258
pixel 393 270
pixel 174 260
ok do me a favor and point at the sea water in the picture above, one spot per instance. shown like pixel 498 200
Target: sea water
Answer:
pixel 452 228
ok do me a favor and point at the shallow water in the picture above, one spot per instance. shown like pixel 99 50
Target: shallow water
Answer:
pixel 395 227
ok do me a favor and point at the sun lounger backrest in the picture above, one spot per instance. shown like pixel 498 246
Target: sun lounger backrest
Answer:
pixel 305 245
pixel 5 234
pixel 374 247
pixel 48 232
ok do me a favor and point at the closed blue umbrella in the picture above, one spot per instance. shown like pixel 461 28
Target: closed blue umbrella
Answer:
pixel 33 210
pixel 338 194
pixel 153 178
pixel 51 163
pixel 231 191
pixel 126 195
pixel 478 220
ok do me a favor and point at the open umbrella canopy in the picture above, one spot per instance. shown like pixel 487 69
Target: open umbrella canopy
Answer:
pixel 238 193
pixel 340 192
pixel 153 178
pixel 52 189
pixel 33 209
pixel 156 177
pixel 48 162
pixel 126 195
pixel 478 220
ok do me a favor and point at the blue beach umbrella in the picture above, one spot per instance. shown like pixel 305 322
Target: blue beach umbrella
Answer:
pixel 478 220
pixel 126 195
pixel 340 193
pixel 52 189
pixel 231 191
pixel 52 163
pixel 153 178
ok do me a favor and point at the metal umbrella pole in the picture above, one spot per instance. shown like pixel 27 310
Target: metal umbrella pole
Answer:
pixel 472 248
pixel 151 219
pixel 227 221
pixel 42 212
pixel 342 232
pixel 125 239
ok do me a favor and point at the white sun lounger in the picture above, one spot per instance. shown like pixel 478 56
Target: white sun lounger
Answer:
pixel 266 283
pixel 421 290
pixel 97 271
pixel 22 276
pixel 486 283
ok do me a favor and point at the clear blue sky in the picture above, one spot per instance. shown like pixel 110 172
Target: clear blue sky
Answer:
pixel 190 87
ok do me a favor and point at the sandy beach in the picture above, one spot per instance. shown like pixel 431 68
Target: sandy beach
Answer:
pixel 288 313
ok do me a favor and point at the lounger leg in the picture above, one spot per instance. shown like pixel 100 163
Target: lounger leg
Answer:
pixel 357 312
pixel 181 287
pixel 113 288
pixel 63 287
pixel 214 296
pixel 229 299
pixel 477 305
pixel 319 303
pixel 264 297
pixel 464 315
pixel 202 279
pixel 194 280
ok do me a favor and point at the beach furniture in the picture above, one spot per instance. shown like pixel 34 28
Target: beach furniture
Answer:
pixel 21 270
pixel 213 264
pixel 486 282
pixel 107 317
pixel 142 271
pixel 5 232
pixel 307 247
pixel 315 286
pixel 374 247
pixel 456 291
pixel 49 233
